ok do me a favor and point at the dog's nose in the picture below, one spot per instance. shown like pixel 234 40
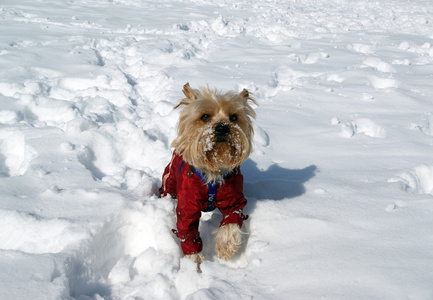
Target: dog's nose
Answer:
pixel 222 130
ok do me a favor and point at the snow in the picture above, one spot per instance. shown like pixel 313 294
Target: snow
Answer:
pixel 339 186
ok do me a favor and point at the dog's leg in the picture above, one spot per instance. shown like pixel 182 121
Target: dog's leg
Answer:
pixel 198 258
pixel 228 240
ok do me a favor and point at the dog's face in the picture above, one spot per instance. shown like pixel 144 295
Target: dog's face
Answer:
pixel 215 130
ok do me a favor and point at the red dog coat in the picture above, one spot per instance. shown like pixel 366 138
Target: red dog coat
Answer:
pixel 193 195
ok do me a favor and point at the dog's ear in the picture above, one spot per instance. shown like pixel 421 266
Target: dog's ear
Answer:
pixel 190 96
pixel 189 92
pixel 245 94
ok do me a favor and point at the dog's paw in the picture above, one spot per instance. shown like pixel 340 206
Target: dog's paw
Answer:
pixel 198 258
pixel 228 240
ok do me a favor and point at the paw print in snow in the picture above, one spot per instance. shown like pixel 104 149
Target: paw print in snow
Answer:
pixel 361 126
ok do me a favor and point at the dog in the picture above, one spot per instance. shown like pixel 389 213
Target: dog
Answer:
pixel 214 137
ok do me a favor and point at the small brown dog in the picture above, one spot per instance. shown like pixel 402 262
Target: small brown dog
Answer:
pixel 214 137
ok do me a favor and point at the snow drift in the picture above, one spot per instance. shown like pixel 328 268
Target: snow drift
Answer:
pixel 339 185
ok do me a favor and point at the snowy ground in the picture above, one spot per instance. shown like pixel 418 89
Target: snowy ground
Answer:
pixel 340 184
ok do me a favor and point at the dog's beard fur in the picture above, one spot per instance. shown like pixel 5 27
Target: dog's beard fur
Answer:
pixel 197 140
pixel 214 158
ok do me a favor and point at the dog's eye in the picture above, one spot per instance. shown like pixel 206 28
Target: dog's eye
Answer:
pixel 205 118
pixel 233 118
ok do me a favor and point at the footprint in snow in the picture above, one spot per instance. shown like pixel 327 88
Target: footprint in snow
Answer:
pixel 378 64
pixel 382 83
pixel 361 126
pixel 315 57
pixel 418 181
pixel 362 48
pixel 261 137
pixel 15 154
pixel 426 127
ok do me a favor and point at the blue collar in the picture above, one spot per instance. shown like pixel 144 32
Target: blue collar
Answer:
pixel 212 187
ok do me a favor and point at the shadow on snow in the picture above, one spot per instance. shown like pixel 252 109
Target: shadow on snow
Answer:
pixel 275 183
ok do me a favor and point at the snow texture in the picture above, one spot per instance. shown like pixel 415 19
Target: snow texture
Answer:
pixel 339 186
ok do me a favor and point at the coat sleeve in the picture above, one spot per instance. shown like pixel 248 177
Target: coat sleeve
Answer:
pixel 169 180
pixel 233 204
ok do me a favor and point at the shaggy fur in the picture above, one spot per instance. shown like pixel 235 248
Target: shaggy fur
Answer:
pixel 196 138
pixel 228 240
